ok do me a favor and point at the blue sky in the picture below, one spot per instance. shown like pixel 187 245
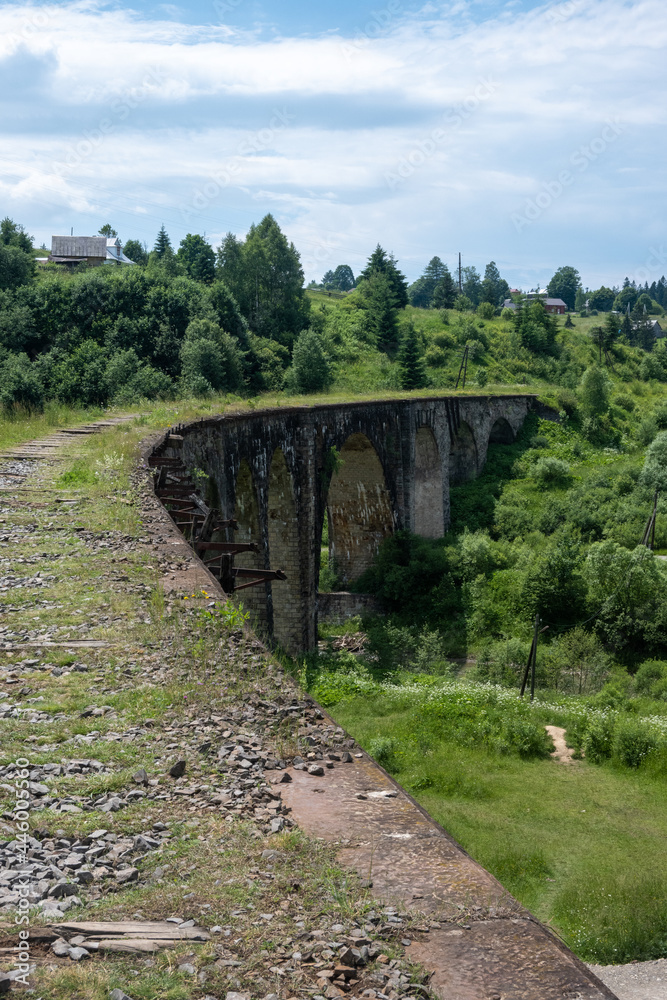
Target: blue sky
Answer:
pixel 533 135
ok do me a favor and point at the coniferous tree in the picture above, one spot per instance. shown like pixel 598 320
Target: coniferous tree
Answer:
pixel 411 366
pixel 381 310
pixel 162 244
pixel 445 292
pixel 381 263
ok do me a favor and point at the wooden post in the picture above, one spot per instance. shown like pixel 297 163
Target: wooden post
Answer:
pixel 463 369
pixel 530 666
pixel 655 514
pixel 532 671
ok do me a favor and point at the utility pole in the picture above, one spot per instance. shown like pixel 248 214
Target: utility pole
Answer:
pixel 532 659
pixel 460 277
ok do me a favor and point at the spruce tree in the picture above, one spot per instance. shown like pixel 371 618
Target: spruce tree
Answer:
pixel 411 367
pixel 445 292
pixel 381 310
pixel 162 243
pixel 381 263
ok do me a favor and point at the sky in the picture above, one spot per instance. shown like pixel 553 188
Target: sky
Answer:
pixel 528 134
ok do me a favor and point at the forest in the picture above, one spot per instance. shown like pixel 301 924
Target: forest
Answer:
pixel 237 320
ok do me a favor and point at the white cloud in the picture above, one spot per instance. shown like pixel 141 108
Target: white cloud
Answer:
pixel 434 135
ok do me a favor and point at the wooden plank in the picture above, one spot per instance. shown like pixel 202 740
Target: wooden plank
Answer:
pixel 133 929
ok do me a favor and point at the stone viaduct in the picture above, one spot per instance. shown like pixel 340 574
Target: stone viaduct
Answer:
pixel 370 468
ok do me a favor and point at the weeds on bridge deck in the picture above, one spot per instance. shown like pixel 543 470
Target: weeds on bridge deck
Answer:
pixel 112 680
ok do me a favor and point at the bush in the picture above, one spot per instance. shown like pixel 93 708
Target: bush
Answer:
pixel 598 740
pixel 310 371
pixel 435 357
pixel 550 471
pixel 654 473
pixel 383 749
pixel 594 392
pixel 647 430
pixel 445 340
pixel 628 403
pixel 507 315
pixel 649 672
pixel 485 310
pixel 20 384
pixel 633 742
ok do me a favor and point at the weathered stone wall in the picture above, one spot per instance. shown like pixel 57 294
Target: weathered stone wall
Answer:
pixel 338 605
pixel 279 472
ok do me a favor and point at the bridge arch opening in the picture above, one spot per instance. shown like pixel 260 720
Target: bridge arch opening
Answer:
pixel 463 455
pixel 284 554
pixel 429 508
pixel 359 510
pixel 246 512
pixel 501 432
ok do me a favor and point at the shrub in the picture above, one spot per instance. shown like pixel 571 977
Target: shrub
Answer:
pixel 310 371
pixel 486 310
pixel 384 750
pixel 628 403
pixel 20 383
pixel 654 473
pixel 647 430
pixel 633 742
pixel 649 672
pixel 550 471
pixel 594 392
pixel 435 357
pixel 598 739
pixel 507 315
pixel 445 340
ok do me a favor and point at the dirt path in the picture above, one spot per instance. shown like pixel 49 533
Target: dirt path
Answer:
pixel 562 753
pixel 638 981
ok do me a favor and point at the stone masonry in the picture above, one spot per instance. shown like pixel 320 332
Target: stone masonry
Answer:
pixel 371 468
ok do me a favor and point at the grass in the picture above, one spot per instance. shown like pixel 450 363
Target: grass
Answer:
pixel 170 661
pixel 580 846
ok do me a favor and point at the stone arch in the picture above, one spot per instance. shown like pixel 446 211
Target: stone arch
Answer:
pixel 359 508
pixel 428 486
pixel 463 455
pixel 246 512
pixel 283 531
pixel 501 432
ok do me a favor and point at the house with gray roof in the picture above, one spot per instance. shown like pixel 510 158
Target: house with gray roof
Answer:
pixel 90 250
